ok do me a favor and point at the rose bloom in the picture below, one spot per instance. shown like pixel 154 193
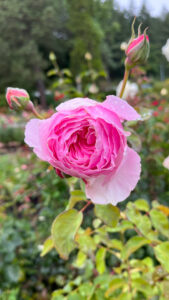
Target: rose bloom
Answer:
pixel 86 139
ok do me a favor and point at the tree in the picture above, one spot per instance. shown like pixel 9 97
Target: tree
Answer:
pixel 86 35
pixel 28 30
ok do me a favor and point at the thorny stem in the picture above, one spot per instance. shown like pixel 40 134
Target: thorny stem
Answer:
pixel 84 207
pixel 126 75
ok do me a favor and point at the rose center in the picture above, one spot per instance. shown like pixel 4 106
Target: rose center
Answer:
pixel 83 143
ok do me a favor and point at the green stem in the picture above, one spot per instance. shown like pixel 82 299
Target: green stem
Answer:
pixel 126 75
pixel 34 111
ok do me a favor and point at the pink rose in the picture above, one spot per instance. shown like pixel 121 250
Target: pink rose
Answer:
pixel 138 50
pixel 13 95
pixel 86 139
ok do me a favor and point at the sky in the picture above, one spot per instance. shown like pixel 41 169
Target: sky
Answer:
pixel 154 6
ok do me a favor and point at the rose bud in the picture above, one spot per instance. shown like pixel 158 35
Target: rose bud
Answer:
pixel 138 48
pixel 18 99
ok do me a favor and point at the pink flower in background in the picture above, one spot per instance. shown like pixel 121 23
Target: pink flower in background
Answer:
pixel 13 93
pixel 155 113
pixel 86 139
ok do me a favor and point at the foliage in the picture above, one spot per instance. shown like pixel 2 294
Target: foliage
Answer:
pixel 87 35
pixel 124 261
pixel 25 39
pixel 75 27
pixel 67 85
pixel 30 201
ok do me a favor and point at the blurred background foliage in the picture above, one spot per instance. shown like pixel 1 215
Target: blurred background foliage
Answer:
pixel 29 30
pixel 59 50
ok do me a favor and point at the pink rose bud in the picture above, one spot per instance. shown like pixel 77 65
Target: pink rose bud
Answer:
pixel 138 48
pixel 18 99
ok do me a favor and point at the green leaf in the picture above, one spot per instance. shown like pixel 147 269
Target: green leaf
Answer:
pixel 75 197
pixel 125 224
pixel 135 140
pixel 115 284
pixel 48 245
pixel 74 296
pixel 142 204
pixel 116 244
pixel 96 223
pixel 124 296
pixel 52 72
pixel 85 290
pixel 144 224
pixel 160 221
pixel 102 73
pixel 109 214
pixel 100 260
pixel 162 254
pixel 103 280
pixel 64 229
pixel 85 241
pixel 132 245
pixel 132 213
pixel 80 260
pixel 67 72
pixel 142 285
pixel 57 295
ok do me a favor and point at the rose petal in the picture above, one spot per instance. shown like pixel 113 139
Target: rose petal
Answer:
pixel 105 189
pixel 121 108
pixel 75 103
pixel 36 132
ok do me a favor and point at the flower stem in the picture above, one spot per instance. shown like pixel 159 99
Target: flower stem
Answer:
pixel 36 114
pixel 84 207
pixel 126 75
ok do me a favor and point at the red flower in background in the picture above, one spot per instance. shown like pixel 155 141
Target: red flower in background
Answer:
pixel 155 113
pixel 58 96
pixel 160 108
pixel 155 103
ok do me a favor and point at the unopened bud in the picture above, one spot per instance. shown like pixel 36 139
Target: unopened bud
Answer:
pixel 52 56
pixel 18 99
pixel 138 48
pixel 88 56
